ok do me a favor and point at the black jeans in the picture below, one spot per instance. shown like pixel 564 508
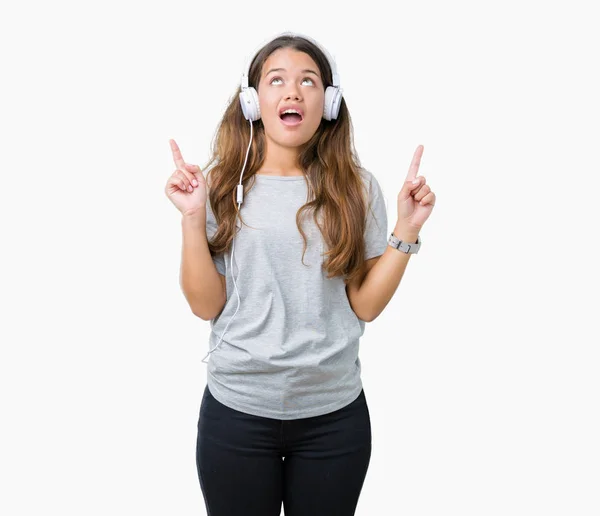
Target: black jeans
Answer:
pixel 249 465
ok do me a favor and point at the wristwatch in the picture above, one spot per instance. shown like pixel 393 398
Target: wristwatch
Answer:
pixel 403 246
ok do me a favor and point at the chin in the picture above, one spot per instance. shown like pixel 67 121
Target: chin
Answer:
pixel 294 140
pixel 288 138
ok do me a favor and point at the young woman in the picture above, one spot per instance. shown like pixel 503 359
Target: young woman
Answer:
pixel 284 418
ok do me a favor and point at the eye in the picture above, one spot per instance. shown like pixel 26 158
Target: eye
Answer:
pixel 279 78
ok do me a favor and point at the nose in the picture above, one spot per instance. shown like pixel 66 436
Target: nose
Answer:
pixel 293 93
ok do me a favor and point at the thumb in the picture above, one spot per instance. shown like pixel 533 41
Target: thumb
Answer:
pixel 408 187
pixel 194 169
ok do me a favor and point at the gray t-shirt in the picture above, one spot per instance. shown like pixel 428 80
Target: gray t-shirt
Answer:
pixel 290 349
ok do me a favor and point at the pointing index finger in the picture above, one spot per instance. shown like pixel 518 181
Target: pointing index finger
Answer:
pixel 177 157
pixel 413 170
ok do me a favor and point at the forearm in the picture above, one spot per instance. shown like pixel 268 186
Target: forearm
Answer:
pixel 381 282
pixel 199 278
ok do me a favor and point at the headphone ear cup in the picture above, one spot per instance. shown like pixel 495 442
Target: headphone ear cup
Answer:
pixel 250 104
pixel 333 101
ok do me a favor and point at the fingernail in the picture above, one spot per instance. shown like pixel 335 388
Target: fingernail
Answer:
pixel 194 182
pixel 415 181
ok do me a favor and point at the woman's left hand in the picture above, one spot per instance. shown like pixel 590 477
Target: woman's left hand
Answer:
pixel 415 201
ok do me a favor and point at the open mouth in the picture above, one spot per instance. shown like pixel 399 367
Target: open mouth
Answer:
pixel 291 119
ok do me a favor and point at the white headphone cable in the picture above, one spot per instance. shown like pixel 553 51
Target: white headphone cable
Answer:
pixel 240 199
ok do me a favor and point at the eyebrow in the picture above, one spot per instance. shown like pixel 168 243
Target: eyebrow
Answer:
pixel 307 70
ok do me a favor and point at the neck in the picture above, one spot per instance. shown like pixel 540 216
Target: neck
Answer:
pixel 280 161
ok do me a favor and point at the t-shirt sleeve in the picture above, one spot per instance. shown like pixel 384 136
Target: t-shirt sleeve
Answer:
pixel 376 228
pixel 211 229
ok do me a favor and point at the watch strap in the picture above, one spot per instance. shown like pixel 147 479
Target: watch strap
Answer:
pixel 405 247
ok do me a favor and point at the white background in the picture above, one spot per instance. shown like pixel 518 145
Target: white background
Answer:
pixel 481 374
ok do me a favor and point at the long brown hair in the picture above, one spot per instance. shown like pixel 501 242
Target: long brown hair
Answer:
pixel 329 161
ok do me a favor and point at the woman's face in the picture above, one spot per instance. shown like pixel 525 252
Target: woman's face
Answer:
pixel 296 81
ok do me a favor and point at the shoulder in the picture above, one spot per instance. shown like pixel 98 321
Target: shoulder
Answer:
pixel 208 168
pixel 372 186
pixel 367 179
pixel 366 175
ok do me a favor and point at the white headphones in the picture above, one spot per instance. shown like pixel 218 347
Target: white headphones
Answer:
pixel 251 109
pixel 333 94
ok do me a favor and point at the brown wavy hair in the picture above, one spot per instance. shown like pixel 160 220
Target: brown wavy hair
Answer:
pixel 329 161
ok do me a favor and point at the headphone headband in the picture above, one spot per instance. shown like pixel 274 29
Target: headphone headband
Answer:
pixel 334 75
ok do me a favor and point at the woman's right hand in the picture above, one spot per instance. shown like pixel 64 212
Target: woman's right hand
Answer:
pixel 186 187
